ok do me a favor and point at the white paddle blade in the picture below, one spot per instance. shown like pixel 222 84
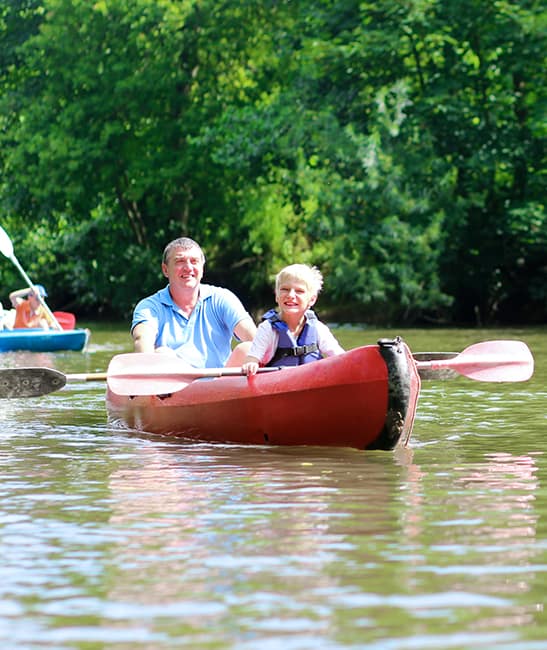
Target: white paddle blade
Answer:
pixel 6 245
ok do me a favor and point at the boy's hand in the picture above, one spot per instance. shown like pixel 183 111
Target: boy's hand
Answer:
pixel 250 368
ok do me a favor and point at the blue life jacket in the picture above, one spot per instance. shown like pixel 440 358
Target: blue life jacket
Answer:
pixel 306 349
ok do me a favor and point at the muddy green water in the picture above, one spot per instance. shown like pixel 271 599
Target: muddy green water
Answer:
pixel 120 541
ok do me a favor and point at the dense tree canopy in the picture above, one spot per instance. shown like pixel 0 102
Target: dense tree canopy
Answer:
pixel 399 146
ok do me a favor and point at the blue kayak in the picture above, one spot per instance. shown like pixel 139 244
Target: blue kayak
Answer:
pixel 39 340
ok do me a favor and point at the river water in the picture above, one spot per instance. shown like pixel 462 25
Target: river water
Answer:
pixel 114 540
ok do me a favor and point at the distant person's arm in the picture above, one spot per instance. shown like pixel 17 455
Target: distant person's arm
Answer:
pixel 18 296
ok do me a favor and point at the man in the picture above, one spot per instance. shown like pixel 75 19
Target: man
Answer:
pixel 195 320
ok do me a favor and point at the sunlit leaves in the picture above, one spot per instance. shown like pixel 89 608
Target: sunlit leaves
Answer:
pixel 388 142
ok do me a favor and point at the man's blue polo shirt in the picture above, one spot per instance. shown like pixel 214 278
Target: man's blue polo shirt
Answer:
pixel 204 339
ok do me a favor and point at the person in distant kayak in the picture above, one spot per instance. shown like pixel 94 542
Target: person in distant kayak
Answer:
pixel 293 335
pixel 196 321
pixel 29 310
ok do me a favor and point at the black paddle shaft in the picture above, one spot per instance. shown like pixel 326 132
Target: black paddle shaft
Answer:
pixel 29 382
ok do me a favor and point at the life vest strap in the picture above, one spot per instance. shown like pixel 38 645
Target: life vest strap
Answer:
pixel 297 351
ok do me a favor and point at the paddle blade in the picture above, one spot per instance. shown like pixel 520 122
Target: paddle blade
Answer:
pixel 65 319
pixel 495 361
pixel 147 364
pixel 6 245
pixel 132 386
pixel 29 382
pixel 143 373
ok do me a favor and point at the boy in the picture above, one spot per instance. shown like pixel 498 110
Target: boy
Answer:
pixel 294 335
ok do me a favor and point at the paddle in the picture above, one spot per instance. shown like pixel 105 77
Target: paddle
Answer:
pixel 66 319
pixel 125 378
pixel 495 361
pixel 158 374
pixel 428 373
pixel 6 248
pixel 149 373
pixel 34 382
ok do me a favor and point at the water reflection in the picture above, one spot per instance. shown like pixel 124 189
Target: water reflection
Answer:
pixel 482 535
pixel 226 520
pixel 24 359
pixel 325 533
pixel 120 541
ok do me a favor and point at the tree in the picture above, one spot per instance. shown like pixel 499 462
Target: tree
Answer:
pixel 390 143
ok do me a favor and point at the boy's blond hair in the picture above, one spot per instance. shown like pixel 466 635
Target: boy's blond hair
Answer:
pixel 310 275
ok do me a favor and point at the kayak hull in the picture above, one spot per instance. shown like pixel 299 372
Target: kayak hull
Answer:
pixel 365 398
pixel 39 340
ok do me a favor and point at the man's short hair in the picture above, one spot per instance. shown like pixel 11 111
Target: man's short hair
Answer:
pixel 181 242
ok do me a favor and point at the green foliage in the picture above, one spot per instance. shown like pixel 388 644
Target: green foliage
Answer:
pixel 399 146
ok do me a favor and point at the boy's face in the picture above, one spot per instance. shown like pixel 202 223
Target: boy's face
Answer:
pixel 294 297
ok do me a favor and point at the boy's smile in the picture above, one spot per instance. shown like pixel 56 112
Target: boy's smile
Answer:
pixel 294 297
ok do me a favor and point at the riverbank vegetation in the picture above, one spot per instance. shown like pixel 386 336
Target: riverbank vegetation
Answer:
pixel 397 145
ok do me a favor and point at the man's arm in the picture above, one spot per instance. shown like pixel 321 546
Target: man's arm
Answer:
pixel 245 330
pixel 144 337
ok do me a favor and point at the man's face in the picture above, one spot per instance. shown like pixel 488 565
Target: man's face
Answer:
pixel 184 267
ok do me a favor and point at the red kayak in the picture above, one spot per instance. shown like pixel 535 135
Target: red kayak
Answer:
pixel 365 398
